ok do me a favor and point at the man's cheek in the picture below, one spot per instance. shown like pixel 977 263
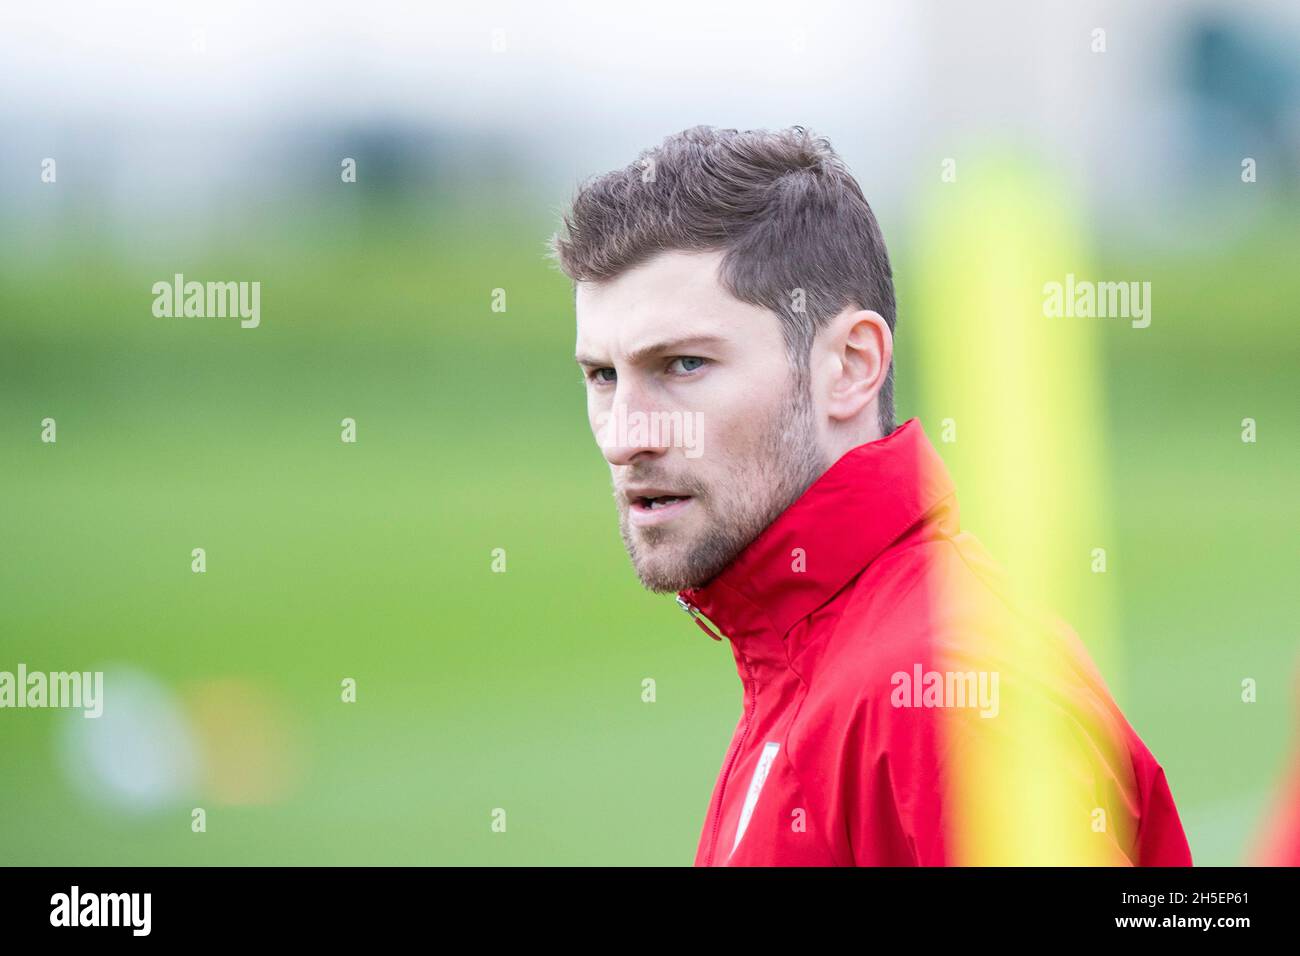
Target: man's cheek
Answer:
pixel 598 418
pixel 732 447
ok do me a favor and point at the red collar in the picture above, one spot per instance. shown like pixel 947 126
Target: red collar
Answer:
pixel 862 504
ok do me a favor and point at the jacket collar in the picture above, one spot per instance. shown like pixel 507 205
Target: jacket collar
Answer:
pixel 862 504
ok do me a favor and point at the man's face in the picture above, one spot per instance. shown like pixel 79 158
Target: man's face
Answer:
pixel 691 396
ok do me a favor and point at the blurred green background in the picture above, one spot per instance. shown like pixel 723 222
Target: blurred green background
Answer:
pixel 373 561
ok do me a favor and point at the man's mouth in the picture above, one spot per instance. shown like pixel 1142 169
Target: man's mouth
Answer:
pixel 650 504
pixel 656 508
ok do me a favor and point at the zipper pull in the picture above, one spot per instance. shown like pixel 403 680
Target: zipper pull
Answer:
pixel 694 612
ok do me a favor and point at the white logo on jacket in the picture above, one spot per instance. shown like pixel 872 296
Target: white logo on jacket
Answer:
pixel 755 787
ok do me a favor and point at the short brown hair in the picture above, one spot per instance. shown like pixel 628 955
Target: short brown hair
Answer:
pixel 782 205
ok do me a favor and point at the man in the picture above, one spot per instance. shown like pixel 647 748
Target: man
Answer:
pixel 735 316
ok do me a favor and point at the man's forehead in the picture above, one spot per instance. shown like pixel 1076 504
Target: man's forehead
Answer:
pixel 670 275
pixel 675 293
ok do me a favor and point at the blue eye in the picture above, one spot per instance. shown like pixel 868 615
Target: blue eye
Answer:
pixel 689 363
pixel 598 376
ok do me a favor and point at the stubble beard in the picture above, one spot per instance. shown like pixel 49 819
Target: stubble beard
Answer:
pixel 737 510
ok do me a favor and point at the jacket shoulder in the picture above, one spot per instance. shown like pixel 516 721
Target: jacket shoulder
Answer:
pixel 935 675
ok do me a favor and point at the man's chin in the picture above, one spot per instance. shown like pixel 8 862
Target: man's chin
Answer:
pixel 660 568
pixel 668 559
pixel 668 568
pixel 664 581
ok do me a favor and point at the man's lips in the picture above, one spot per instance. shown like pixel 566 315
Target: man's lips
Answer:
pixel 652 506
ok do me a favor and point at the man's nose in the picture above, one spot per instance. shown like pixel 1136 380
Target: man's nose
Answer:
pixel 628 433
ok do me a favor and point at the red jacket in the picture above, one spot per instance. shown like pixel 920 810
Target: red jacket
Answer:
pixel 900 708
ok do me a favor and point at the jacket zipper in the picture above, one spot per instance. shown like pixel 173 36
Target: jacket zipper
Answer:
pixel 694 612
pixel 751 700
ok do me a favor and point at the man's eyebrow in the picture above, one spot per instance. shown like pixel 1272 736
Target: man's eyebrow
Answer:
pixel 668 346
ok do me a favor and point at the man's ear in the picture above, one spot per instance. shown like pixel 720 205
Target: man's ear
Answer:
pixel 861 348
